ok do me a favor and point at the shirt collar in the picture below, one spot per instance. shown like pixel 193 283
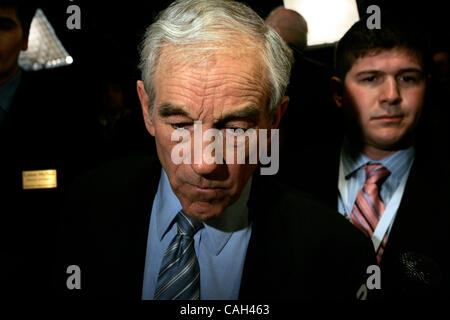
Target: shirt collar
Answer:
pixel 8 90
pixel 217 232
pixel 352 159
pixel 234 218
pixel 167 207
pixel 397 163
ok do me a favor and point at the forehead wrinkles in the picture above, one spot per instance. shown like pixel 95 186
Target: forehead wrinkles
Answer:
pixel 217 76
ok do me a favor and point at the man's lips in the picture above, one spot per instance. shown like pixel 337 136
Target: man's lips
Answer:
pixel 206 187
pixel 388 117
pixel 205 193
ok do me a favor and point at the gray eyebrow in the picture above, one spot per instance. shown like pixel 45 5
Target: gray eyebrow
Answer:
pixel 167 109
pixel 250 112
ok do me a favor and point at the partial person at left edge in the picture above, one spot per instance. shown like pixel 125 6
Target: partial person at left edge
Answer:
pixel 34 144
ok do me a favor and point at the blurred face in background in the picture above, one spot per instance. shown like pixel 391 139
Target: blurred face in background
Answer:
pixel 12 41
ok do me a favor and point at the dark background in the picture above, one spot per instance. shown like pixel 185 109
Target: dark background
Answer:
pixel 106 47
pixel 111 31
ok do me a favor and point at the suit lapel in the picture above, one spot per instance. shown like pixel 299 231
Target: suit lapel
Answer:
pixel 327 183
pixel 420 216
pixel 331 190
pixel 401 227
pixel 251 284
pixel 143 223
pixel 135 226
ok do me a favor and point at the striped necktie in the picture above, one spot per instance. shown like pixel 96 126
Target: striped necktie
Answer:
pixel 179 275
pixel 369 206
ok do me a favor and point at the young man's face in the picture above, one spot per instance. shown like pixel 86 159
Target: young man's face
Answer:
pixel 384 94
pixel 12 41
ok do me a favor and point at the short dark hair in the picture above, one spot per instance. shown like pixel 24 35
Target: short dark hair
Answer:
pixel 397 32
pixel 25 11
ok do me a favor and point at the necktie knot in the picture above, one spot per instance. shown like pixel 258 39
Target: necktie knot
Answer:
pixel 375 173
pixel 187 226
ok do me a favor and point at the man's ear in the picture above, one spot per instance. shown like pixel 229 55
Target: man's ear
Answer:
pixel 143 98
pixel 278 113
pixel 337 87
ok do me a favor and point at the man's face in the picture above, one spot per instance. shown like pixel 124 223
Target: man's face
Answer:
pixel 227 90
pixel 12 41
pixel 384 94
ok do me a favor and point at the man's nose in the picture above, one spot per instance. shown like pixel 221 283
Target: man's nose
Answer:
pixel 204 162
pixel 390 92
pixel 203 168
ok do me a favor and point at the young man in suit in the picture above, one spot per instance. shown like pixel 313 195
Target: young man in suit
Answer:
pixel 383 176
pixel 144 228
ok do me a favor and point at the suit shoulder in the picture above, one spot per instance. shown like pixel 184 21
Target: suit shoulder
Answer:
pixel 293 199
pixel 310 213
pixel 119 175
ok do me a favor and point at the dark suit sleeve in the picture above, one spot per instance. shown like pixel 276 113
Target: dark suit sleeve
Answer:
pixel 301 249
pixel 105 228
pixel 76 238
pixel 339 253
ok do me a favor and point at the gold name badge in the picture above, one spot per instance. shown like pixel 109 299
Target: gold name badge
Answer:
pixel 39 179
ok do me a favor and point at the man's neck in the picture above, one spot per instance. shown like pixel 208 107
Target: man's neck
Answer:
pixel 375 153
pixel 5 78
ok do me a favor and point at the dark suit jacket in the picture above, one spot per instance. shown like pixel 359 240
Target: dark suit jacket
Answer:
pixel 415 262
pixel 298 248
pixel 34 136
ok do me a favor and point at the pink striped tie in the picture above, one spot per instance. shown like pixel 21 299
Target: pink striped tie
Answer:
pixel 369 206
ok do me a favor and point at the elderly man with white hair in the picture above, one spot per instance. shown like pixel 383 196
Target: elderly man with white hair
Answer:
pixel 148 228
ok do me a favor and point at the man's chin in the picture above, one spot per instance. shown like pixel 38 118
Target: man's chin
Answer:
pixel 204 211
pixel 393 143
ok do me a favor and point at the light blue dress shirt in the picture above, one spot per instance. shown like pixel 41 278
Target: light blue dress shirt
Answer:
pixel 7 92
pixel 399 164
pixel 220 246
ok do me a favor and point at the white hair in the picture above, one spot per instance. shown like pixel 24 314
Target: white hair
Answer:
pixel 206 26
